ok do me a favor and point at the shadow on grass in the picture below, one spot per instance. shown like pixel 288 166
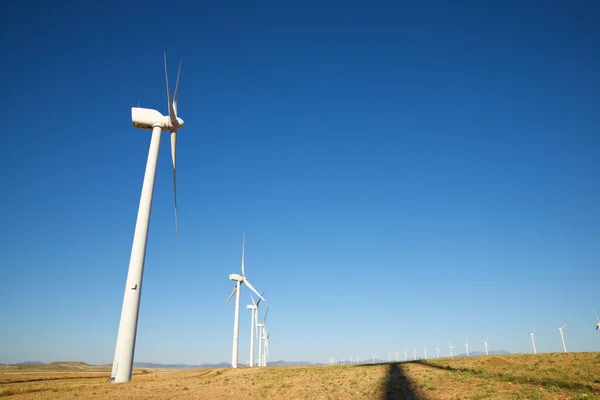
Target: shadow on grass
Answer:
pixel 398 386
pixel 527 380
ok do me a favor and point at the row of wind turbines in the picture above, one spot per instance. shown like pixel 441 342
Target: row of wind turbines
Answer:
pixel 154 121
pixel 255 326
pixel 333 361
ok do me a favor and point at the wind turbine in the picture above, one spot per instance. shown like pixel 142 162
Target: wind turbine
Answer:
pixel 425 351
pixel 414 354
pixel 373 358
pixel 598 319
pixel 266 349
pixel 390 357
pixel 486 345
pixel 261 328
pixel 533 341
pixel 406 354
pixel 451 347
pixel 437 350
pixel 236 290
pixel 467 346
pixel 253 327
pixel 144 118
pixel 562 336
pixel 396 355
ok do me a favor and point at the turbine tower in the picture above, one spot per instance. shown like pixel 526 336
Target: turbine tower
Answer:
pixel 533 342
pixel 253 325
pixel 598 319
pixel 396 355
pixel 437 351
pixel 562 336
pixel 451 347
pixel 149 119
pixel 467 346
pixel 485 343
pixel 406 354
pixel 414 354
pixel 425 351
pixel 236 290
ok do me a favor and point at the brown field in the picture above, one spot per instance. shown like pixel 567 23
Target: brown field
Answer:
pixel 542 376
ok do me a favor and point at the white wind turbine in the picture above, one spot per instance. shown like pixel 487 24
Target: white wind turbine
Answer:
pixel 253 326
pixel 261 328
pixel 236 290
pixel 266 349
pixel 373 358
pixel 598 319
pixel 562 336
pixel 396 355
pixel 425 351
pixel 414 354
pixel 437 351
pixel 467 346
pixel 533 341
pixel 485 343
pixel 389 357
pixel 144 118
pixel 406 354
pixel 451 347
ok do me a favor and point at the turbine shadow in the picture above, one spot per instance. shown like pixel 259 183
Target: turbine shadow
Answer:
pixel 398 386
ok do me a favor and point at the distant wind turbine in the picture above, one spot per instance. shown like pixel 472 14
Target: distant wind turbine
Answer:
pixel 562 336
pixel 414 353
pixel 261 328
pixel 253 327
pixel 437 350
pixel 236 290
pixel 406 354
pixel 598 319
pixel 451 347
pixel 396 355
pixel 467 346
pixel 485 343
pixel 425 351
pixel 533 341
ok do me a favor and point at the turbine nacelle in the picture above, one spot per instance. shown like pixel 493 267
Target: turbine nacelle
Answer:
pixel 147 118
pixel 251 307
pixel 236 277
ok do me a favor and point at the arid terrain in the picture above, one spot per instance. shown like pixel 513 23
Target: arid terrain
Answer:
pixel 542 376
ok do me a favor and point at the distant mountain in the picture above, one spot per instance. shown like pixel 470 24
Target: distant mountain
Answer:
pixel 183 366
pixel 282 363
pixel 482 353
pixel 29 363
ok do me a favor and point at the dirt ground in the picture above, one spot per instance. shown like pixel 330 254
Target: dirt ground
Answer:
pixel 542 376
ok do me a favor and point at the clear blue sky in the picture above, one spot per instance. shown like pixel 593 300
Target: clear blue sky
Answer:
pixel 406 174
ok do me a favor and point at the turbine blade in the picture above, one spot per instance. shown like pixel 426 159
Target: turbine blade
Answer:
pixel 232 293
pixel 596 316
pixel 252 288
pixel 175 95
pixel 243 244
pixel 173 156
pixel 252 298
pixel 172 116
pixel 265 318
pixel 259 299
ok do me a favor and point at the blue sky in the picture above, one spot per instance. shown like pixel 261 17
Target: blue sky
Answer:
pixel 405 174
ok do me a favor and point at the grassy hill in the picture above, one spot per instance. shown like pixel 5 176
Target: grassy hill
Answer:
pixel 541 376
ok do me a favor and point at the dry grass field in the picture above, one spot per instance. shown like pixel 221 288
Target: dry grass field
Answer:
pixel 542 376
